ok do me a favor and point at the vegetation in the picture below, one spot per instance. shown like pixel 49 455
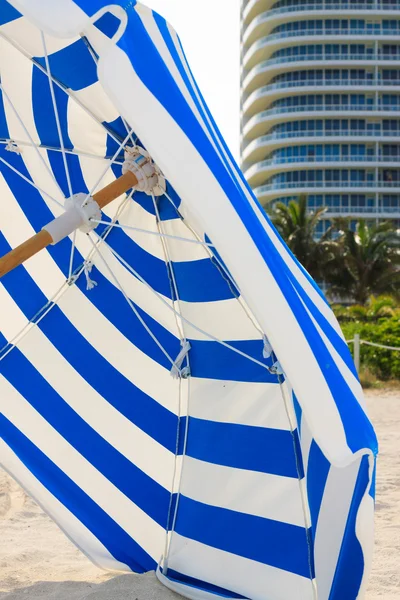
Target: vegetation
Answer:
pixel 354 264
pixel 367 261
pixel 377 322
pixel 298 228
pixel 362 268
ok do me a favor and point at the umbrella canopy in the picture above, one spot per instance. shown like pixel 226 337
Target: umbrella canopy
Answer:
pixel 175 391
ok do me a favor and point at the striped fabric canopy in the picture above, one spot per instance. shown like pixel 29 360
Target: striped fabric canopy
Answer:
pixel 175 391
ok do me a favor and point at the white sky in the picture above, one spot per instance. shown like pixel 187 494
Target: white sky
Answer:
pixel 209 31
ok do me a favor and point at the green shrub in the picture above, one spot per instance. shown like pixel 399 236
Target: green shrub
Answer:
pixel 384 364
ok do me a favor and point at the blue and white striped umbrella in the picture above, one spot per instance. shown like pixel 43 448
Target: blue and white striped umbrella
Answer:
pixel 175 391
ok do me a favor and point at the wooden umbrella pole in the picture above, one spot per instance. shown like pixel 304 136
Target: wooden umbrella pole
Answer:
pixel 41 240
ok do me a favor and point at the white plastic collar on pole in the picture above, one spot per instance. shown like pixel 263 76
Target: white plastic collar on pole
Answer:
pixel 79 210
pixel 149 176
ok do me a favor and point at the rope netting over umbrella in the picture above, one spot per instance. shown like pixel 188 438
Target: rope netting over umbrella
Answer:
pixel 175 391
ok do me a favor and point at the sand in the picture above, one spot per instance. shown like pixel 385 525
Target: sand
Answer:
pixel 38 562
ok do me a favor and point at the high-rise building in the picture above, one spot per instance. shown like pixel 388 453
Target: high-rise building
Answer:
pixel 321 104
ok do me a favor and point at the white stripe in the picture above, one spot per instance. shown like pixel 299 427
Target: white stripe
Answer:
pixel 148 534
pixel 90 322
pixel 236 247
pixel 70 525
pixel 27 35
pixel 332 519
pixel 136 216
pixel 349 377
pixel 97 101
pixel 142 450
pixel 258 494
pixel 257 404
pixel 229 571
pixel 86 134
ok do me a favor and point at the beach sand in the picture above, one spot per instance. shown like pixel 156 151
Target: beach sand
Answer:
pixel 38 562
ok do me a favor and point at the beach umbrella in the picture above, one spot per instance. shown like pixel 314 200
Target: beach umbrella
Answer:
pixel 175 391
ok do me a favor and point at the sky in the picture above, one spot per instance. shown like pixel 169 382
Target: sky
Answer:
pixel 210 34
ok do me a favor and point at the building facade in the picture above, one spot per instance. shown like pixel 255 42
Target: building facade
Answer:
pixel 321 104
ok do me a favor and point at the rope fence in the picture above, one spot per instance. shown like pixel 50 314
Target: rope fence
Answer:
pixel 357 341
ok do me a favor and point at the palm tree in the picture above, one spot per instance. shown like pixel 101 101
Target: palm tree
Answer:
pixel 298 227
pixel 368 262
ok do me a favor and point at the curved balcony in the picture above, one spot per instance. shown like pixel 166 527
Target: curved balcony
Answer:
pixel 258 99
pixel 262 48
pixel 261 122
pixel 269 191
pixel 256 149
pixel 259 171
pixel 262 23
pixel 281 63
pixel 252 8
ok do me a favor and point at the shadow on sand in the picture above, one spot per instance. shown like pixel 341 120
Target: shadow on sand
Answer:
pixel 122 587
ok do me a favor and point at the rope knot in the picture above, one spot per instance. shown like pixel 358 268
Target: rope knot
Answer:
pixel 90 283
pixel 267 350
pixel 177 372
pixel 276 369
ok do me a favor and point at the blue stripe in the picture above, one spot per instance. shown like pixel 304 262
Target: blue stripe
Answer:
pixel 148 495
pixel 298 411
pixel 211 360
pixel 43 112
pixel 164 88
pixel 91 7
pixel 73 66
pixel 317 475
pixel 8 13
pixel 334 337
pixel 198 281
pixel 120 545
pixel 129 400
pixel 266 541
pixel 350 566
pixel 242 447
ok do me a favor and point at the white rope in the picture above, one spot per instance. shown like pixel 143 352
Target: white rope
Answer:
pixel 90 283
pixel 34 321
pixel 122 144
pixel 231 282
pixel 267 350
pixel 56 114
pixel 184 319
pixel 73 151
pixel 58 84
pixel 130 303
pixel 50 304
pixel 155 233
pixel 171 273
pixel 365 343
pixel 41 158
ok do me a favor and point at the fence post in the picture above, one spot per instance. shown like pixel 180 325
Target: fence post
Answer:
pixel 357 345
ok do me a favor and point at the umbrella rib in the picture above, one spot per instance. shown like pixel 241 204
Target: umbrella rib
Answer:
pixel 46 166
pixel 129 301
pixel 30 182
pixel 155 233
pixel 113 160
pixel 229 277
pixel 61 86
pixel 56 114
pixel 187 321
pixel 61 140
pixel 54 149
